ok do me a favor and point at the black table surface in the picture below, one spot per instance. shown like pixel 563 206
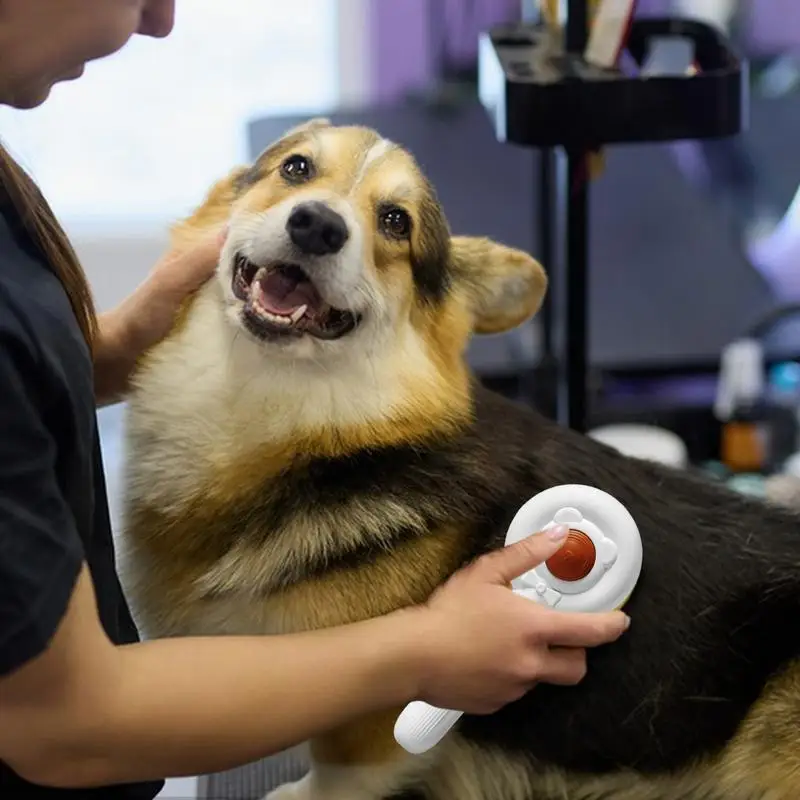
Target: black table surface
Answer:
pixel 669 286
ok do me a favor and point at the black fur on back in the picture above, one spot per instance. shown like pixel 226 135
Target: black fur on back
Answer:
pixel 715 613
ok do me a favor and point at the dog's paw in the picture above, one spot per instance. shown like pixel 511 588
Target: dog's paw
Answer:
pixel 291 791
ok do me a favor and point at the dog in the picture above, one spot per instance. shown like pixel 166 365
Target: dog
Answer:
pixel 309 448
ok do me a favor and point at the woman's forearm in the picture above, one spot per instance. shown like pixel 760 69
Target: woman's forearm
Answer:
pixel 260 696
pixel 113 361
pixel 87 713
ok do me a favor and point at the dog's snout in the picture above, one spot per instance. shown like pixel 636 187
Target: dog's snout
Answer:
pixel 316 229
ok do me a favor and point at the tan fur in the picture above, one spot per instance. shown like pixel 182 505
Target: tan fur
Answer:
pixel 366 742
pixel 179 591
pixel 214 425
pixel 761 763
pixel 765 753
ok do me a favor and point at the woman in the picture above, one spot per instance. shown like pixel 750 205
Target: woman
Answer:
pixel 82 704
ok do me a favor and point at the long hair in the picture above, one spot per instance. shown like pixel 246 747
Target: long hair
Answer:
pixel 50 240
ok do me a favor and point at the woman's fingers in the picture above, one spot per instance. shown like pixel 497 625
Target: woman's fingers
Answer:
pixel 507 563
pixel 563 666
pixel 578 629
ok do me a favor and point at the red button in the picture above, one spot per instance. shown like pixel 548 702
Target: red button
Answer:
pixel 575 559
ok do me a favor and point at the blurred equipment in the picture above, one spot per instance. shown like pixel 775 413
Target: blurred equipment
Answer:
pixel 541 93
pixel 741 407
pixel 727 169
pixel 721 14
pixel 452 24
pixel 783 490
pixel 759 409
pixel 776 254
pixel 255 780
pixel 645 441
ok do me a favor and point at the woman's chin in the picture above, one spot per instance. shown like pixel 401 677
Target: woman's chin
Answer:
pixel 29 97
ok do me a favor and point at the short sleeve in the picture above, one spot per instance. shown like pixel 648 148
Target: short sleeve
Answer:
pixel 40 550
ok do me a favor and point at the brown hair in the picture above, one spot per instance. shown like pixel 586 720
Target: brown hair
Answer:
pixel 49 238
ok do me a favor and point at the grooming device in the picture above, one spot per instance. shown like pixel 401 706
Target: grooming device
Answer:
pixel 596 569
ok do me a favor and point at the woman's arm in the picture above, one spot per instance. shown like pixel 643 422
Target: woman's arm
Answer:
pixel 114 359
pixel 87 713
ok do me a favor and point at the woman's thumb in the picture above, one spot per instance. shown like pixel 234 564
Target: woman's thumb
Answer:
pixel 504 565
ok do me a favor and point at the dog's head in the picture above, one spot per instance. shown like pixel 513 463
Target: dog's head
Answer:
pixel 337 243
pixel 339 253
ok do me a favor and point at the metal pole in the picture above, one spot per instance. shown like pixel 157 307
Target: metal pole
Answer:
pixel 573 295
pixel 545 389
pixel 572 283
pixel 577 26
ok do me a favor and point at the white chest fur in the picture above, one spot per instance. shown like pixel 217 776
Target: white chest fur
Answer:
pixel 210 395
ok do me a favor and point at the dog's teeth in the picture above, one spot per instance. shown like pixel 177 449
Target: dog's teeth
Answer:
pixel 297 314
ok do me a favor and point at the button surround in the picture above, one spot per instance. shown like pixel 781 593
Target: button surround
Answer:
pixel 575 559
pixel 618 557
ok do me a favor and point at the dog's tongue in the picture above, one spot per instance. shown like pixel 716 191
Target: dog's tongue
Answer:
pixel 282 292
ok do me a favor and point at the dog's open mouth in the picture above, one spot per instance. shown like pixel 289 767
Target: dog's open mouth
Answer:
pixel 281 300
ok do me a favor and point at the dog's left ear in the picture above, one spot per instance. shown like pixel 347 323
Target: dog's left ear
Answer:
pixel 505 286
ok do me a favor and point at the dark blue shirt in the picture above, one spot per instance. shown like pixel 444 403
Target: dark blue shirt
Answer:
pixel 53 505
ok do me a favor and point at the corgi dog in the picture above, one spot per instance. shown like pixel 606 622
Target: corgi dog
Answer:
pixel 308 448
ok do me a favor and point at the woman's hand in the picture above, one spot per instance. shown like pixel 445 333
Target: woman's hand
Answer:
pixel 483 646
pixel 144 318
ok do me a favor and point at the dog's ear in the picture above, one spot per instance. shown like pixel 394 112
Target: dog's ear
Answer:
pixel 505 286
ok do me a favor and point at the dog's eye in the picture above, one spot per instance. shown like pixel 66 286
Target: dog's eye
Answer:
pixel 395 223
pixel 296 168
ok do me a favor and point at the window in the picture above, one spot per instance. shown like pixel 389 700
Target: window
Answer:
pixel 141 136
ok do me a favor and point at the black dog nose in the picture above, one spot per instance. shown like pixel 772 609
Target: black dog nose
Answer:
pixel 316 229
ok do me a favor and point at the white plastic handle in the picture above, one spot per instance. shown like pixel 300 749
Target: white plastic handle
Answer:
pixel 421 726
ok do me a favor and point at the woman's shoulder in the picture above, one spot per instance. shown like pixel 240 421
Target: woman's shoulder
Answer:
pixel 36 318
pixel 29 289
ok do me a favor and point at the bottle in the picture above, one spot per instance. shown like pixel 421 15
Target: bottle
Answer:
pixel 741 408
pixel 744 446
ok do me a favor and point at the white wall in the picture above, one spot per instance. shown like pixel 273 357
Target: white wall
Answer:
pixel 116 263
pixel 355 52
